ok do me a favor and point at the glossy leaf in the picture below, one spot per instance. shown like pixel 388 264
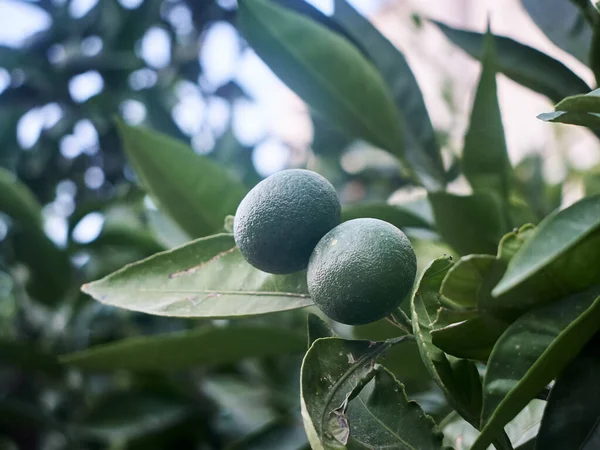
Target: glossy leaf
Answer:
pixel 422 150
pixel 469 224
pixel 347 398
pixel 317 328
pixel 531 352
pixel 195 191
pixel 572 417
pixel 325 70
pixel 396 215
pixel 555 236
pixel 462 283
pixel 458 379
pixel 206 278
pixel 204 346
pixel 485 160
pixel 564 25
pixel 523 64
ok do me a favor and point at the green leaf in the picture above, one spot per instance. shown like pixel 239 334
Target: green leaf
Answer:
pixel 396 215
pixel 531 352
pixel 347 398
pixel 583 110
pixel 463 282
pixel 521 63
pixel 176 351
pixel 422 150
pixel 588 102
pixel 572 417
pixel 469 224
pixel 317 328
pixel 206 278
pixel 325 70
pixel 26 356
pixel 564 25
pixel 50 266
pixel 195 191
pixel 124 416
pixel 458 379
pixel 565 239
pixel 590 120
pixel 485 160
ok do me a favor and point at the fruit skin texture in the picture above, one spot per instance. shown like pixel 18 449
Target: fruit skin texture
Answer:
pixel 279 222
pixel 361 270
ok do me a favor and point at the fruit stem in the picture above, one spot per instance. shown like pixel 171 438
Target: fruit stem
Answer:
pixel 400 320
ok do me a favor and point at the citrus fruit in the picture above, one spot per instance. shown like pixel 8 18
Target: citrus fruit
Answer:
pixel 361 270
pixel 279 222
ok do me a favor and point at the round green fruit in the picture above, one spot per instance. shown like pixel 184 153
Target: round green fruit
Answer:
pixel 279 222
pixel 361 270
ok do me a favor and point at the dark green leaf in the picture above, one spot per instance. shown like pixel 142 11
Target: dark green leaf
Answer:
pixel 485 160
pixel 17 201
pixel 348 398
pixel 564 25
pixel 27 356
pixel 463 282
pixel 197 192
pixel 396 215
pixel 126 416
pixel 530 353
pixel 521 63
pixel 458 379
pixel 325 70
pixel 565 238
pixel 470 224
pixel 422 150
pixel 317 328
pixel 205 278
pixel 205 346
pixel 572 416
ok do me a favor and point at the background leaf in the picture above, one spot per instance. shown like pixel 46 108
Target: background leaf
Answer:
pixel 396 215
pixel 422 150
pixel 521 63
pixel 204 346
pixel 572 417
pixel 26 356
pixel 530 353
pixel 197 192
pixel 470 224
pixel 325 70
pixel 205 278
pixel 485 160
pixel 317 328
pixel 564 25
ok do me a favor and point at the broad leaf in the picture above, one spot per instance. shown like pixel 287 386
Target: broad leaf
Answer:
pixel 50 266
pixel 485 160
pixel 206 278
pixel 588 102
pixel 565 238
pixel 470 224
pixel 127 416
pixel 582 109
pixel 204 346
pixel 584 119
pixel 317 328
pixel 523 64
pixel 325 70
pixel 572 417
pixel 564 25
pixel 422 150
pixel 530 353
pixel 195 191
pixel 396 215
pixel 462 284
pixel 347 398
pixel 458 379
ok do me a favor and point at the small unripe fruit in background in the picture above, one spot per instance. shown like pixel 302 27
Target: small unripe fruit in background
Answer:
pixel 361 271
pixel 279 222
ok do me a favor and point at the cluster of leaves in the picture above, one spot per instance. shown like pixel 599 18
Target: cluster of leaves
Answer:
pixel 520 306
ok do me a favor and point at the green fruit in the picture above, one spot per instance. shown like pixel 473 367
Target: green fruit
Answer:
pixel 279 222
pixel 361 270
